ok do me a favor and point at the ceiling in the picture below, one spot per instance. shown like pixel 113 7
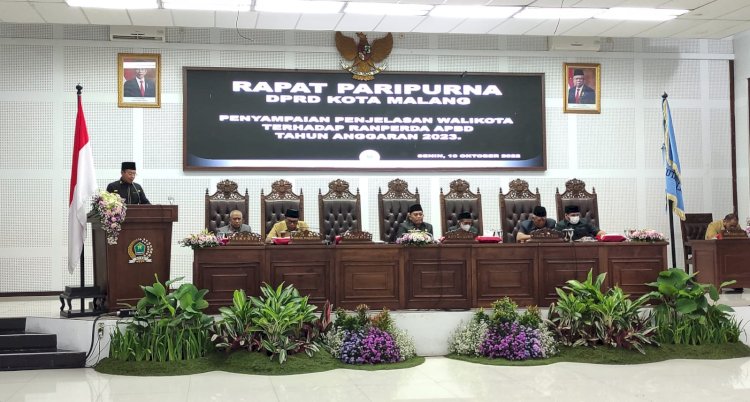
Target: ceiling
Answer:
pixel 715 19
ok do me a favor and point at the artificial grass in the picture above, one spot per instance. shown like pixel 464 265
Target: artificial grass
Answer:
pixel 243 362
pixel 607 355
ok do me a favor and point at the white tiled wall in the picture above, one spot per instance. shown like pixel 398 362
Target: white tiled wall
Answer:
pixel 618 151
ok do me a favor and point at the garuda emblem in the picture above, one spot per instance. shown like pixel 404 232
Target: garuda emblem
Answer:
pixel 361 59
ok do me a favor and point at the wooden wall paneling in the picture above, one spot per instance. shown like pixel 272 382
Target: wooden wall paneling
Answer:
pixel 369 274
pixel 509 270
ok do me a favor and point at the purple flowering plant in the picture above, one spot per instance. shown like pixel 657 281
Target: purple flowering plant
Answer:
pixel 361 339
pixel 110 209
pixel 512 341
pixel 504 333
pixel 370 346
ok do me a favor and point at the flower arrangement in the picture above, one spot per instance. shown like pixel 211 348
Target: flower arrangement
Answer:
pixel 416 238
pixel 361 339
pixel 646 235
pixel 504 334
pixel 110 209
pixel 204 239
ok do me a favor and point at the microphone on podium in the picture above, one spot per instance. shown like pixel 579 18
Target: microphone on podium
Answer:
pixel 170 199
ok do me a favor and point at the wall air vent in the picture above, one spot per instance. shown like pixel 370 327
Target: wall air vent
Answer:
pixel 581 43
pixel 131 33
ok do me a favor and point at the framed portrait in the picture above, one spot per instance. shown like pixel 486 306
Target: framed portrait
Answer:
pixel 582 88
pixel 138 80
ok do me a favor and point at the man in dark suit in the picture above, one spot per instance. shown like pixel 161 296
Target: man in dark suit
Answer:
pixel 537 220
pixel 139 86
pixel 580 93
pixel 465 222
pixel 131 192
pixel 414 221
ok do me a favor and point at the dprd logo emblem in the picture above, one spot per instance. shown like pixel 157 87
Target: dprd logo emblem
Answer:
pixel 140 251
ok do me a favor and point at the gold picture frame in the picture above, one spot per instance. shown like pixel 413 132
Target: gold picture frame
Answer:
pixel 134 92
pixel 582 91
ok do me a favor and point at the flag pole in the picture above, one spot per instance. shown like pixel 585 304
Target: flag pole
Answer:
pixel 671 215
pixel 81 186
pixel 79 89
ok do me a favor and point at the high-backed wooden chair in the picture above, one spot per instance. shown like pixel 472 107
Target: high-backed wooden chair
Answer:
pixel 575 194
pixel 340 210
pixel 274 205
pixel 515 206
pixel 693 228
pixel 225 200
pixel 393 206
pixel 460 199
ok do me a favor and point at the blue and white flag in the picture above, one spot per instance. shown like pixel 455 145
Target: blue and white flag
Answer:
pixel 672 163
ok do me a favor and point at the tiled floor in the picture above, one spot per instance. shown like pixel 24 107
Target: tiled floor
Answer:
pixel 437 379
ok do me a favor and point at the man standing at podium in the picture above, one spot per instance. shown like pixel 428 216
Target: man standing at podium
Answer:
pixel 131 192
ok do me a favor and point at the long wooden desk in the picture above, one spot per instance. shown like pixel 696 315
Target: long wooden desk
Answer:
pixel 718 261
pixel 450 276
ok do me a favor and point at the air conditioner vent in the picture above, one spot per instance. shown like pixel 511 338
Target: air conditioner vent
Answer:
pixel 580 43
pixel 131 33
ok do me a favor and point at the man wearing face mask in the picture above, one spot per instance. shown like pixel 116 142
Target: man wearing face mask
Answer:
pixel 581 227
pixel 414 221
pixel 465 222
pixel 537 220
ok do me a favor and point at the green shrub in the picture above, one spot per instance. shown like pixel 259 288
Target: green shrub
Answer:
pixel 383 320
pixel 685 315
pixel 165 326
pixel 531 318
pixel 355 322
pixel 282 317
pixel 235 330
pixel 504 310
pixel 587 316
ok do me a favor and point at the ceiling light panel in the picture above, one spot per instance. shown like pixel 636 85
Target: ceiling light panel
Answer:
pixel 540 13
pixel 473 12
pixel 115 4
pixel 299 6
pixel 387 9
pixel 640 14
pixel 214 5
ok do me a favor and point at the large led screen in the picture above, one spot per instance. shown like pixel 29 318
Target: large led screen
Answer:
pixel 323 120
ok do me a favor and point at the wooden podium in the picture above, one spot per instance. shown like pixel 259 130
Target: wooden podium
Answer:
pixel 718 261
pixel 143 249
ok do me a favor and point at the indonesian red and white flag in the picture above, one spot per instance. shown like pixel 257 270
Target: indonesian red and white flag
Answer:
pixel 82 188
